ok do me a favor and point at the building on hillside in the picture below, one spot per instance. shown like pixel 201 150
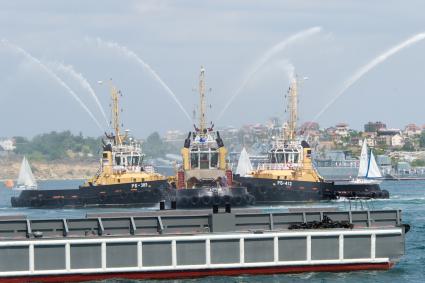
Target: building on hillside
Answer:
pixel 370 140
pixel 397 141
pixel 309 129
pixel 341 129
pixel 412 130
pixel 373 127
pixel 384 162
pixel 385 137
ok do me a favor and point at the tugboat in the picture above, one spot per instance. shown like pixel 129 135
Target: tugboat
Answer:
pixel 204 179
pixel 289 175
pixel 122 179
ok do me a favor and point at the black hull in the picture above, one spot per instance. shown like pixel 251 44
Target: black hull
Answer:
pixel 277 191
pixel 269 191
pixel 146 194
pixel 208 197
pixel 360 190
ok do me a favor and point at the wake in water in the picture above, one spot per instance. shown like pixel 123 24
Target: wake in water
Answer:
pixel 69 69
pixel 54 76
pixel 132 55
pixel 368 67
pixel 265 58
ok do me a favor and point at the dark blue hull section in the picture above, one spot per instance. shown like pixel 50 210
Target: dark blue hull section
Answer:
pixel 130 194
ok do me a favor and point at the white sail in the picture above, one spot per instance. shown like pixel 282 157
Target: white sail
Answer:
pixel 244 164
pixel 374 171
pixel 364 160
pixel 26 178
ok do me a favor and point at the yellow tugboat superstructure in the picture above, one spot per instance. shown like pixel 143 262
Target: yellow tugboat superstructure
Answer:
pixel 204 178
pixel 122 157
pixel 288 174
pixel 288 158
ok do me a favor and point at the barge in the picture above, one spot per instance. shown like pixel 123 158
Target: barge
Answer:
pixel 173 244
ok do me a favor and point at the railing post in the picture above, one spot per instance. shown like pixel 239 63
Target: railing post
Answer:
pixel 103 254
pixel 208 252
pixel 68 256
pixel 309 248
pixel 242 250
pixel 276 249
pixel 31 257
pixel 373 246
pixel 139 254
pixel 173 253
pixel 341 247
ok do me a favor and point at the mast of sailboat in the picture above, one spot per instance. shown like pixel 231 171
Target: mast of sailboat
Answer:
pixel 202 105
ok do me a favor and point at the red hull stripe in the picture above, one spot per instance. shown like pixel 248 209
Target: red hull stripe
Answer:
pixel 197 273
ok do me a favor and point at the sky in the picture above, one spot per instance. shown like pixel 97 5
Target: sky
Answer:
pixel 226 37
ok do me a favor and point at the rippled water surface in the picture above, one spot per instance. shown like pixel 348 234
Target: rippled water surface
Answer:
pixel 409 196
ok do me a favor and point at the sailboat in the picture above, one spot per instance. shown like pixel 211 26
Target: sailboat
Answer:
pixel 26 179
pixel 369 171
pixel 244 164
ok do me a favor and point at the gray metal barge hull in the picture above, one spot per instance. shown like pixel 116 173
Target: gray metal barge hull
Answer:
pixel 180 244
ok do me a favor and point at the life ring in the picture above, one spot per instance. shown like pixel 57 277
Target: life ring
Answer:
pixel 237 200
pixel 246 199
pixel 206 200
pixel 184 201
pixel 251 200
pixel 194 201
pixel 227 199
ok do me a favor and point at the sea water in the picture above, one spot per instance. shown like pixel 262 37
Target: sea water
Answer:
pixel 409 196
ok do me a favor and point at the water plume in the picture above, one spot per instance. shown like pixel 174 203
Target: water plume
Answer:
pixel 69 69
pixel 54 76
pixel 265 58
pixel 369 66
pixel 288 68
pixel 132 55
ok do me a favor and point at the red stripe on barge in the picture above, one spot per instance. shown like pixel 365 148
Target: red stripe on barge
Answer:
pixel 174 274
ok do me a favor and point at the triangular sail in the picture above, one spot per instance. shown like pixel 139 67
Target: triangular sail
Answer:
pixel 26 178
pixel 364 160
pixel 244 164
pixel 374 171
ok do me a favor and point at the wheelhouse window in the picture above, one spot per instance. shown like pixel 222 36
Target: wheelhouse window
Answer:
pixel 194 160
pixel 118 160
pixel 214 159
pixel 204 159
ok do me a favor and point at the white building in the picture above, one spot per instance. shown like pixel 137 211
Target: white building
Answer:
pixel 397 141
pixel 7 145
pixel 341 129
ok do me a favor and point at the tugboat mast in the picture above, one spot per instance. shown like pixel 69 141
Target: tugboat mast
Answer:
pixel 291 131
pixel 202 106
pixel 118 137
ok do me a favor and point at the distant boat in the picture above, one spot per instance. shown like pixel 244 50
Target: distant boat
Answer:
pixel 244 164
pixel 26 179
pixel 369 171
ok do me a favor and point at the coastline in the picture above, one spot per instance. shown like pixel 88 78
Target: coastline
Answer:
pixel 47 171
